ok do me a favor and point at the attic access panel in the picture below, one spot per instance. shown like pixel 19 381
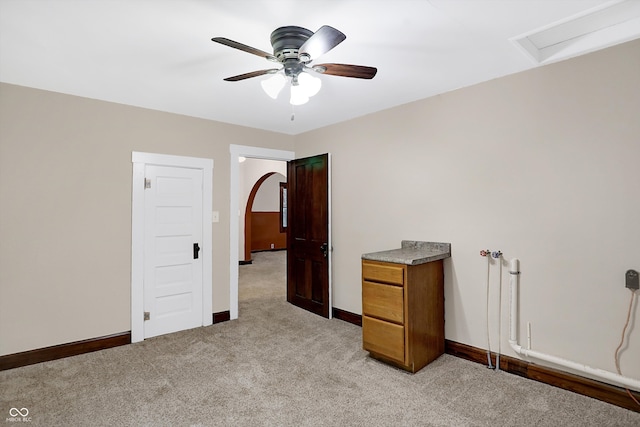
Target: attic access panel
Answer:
pixel 597 28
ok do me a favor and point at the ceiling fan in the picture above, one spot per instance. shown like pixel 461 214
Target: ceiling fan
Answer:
pixel 295 48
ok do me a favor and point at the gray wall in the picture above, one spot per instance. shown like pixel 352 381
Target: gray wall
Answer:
pixel 65 209
pixel 542 165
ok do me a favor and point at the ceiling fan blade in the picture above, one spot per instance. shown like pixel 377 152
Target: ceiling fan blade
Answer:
pixel 346 70
pixel 321 42
pixel 244 48
pixel 251 74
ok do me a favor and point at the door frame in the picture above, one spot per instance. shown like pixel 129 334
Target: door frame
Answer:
pixel 234 209
pixel 140 160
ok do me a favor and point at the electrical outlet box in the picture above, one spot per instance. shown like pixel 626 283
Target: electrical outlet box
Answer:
pixel 632 279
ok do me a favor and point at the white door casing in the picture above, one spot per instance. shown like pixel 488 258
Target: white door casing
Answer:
pixel 165 288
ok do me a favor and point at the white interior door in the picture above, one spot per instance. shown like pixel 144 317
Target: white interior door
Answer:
pixel 173 268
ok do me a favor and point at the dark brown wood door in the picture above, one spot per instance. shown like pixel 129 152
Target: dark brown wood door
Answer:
pixel 308 234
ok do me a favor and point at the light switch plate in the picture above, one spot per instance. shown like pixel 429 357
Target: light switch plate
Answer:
pixel 215 216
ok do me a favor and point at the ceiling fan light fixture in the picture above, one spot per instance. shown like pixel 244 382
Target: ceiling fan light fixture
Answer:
pixel 298 95
pixel 310 84
pixel 273 85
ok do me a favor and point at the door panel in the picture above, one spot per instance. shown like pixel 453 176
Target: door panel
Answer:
pixel 318 278
pixel 308 284
pixel 300 286
pixel 173 223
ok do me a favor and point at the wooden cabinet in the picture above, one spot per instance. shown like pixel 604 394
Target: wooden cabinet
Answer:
pixel 403 312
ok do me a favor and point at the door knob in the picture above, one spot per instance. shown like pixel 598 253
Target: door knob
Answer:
pixel 323 249
pixel 196 251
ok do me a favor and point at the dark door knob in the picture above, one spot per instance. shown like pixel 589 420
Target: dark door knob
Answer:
pixel 196 251
pixel 324 248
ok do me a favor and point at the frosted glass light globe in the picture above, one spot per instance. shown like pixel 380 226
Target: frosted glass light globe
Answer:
pixel 310 84
pixel 273 85
pixel 298 95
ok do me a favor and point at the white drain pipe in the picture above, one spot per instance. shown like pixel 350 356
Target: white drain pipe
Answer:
pixel 606 376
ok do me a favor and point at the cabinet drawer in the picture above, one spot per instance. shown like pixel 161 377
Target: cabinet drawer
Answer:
pixel 388 273
pixel 383 301
pixel 383 338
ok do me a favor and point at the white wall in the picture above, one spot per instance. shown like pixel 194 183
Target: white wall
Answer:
pixel 268 196
pixel 251 170
pixel 542 165
pixel 65 200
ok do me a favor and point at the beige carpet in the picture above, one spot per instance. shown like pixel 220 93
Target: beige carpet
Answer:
pixel 280 366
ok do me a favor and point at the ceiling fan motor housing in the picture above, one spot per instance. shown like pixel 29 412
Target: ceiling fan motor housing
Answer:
pixel 286 42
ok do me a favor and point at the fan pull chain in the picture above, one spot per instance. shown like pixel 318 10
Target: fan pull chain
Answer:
pixel 293 112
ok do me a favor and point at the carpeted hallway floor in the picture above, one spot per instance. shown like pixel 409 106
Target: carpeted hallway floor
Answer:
pixel 278 365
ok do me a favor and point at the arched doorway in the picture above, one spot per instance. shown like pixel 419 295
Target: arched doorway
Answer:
pixel 262 230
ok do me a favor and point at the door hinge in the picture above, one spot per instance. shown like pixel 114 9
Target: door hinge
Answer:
pixel 147 183
pixel 147 315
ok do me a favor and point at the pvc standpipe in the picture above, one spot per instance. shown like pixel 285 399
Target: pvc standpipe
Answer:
pixel 606 376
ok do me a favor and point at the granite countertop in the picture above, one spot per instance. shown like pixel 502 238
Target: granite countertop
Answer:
pixel 412 252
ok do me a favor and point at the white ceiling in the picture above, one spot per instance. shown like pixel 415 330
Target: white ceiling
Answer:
pixel 158 54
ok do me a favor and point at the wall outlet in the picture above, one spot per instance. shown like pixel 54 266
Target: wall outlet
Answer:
pixel 632 279
pixel 273 246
